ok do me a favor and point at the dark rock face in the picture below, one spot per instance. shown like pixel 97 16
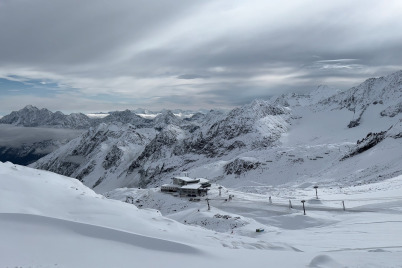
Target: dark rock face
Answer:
pixel 240 166
pixel 66 168
pixel 371 140
pixel 27 153
pixel 86 171
pixel 356 122
pixel 112 158
pixel 95 138
pixel 392 111
pixel 16 156
pixel 158 148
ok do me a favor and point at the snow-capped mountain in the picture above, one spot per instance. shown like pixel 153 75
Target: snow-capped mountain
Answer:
pixel 179 113
pixel 101 153
pixel 31 116
pixel 125 117
pixel 166 118
pixel 263 142
pixel 384 92
pixel 251 127
pixel 318 94
pixel 147 155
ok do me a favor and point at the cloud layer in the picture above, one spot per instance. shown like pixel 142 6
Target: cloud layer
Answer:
pixel 106 55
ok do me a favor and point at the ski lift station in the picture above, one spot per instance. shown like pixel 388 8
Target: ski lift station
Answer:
pixel 187 186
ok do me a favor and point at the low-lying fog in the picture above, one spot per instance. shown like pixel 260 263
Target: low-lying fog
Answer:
pixel 12 136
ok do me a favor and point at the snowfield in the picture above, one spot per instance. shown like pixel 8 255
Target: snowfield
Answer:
pixel 47 220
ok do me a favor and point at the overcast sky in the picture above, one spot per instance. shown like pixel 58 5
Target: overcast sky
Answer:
pixel 98 55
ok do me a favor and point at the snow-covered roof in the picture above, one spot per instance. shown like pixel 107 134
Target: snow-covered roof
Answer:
pixel 187 179
pixel 171 185
pixel 202 180
pixel 192 186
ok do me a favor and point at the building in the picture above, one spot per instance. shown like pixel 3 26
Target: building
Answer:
pixel 194 189
pixel 170 188
pixel 184 180
pixel 187 186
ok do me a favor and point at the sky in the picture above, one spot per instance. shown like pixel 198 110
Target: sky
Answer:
pixel 98 55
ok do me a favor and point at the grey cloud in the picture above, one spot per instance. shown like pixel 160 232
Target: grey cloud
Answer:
pixel 92 45
pixel 191 76
pixel 78 32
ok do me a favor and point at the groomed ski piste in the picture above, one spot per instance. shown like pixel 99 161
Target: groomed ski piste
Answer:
pixel 48 220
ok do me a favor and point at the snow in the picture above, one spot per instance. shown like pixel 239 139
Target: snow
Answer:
pixel 153 115
pixel 191 186
pixel 187 179
pixel 47 220
pixel 97 115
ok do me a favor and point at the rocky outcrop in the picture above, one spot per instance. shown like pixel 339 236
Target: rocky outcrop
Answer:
pixel 371 140
pixel 393 110
pixel 241 165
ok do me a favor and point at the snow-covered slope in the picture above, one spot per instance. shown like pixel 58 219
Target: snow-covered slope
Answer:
pixel 51 220
pixel 383 94
pixel 47 220
pixel 100 155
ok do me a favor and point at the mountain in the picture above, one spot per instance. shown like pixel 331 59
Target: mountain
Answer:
pixel 101 153
pixel 31 116
pixel 166 118
pixel 125 117
pixel 311 98
pixel 120 155
pixel 384 92
pixel 263 142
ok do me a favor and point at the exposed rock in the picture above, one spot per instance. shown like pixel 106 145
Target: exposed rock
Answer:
pixel 241 165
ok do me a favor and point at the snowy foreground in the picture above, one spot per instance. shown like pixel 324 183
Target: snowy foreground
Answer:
pixel 47 220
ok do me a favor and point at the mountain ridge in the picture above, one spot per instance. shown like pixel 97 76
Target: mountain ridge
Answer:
pixel 254 140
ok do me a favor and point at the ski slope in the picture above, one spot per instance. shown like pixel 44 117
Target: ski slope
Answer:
pixel 47 220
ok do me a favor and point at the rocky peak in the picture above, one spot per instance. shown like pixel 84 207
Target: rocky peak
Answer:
pixel 385 90
pixel 127 117
pixel 165 118
pixel 242 120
